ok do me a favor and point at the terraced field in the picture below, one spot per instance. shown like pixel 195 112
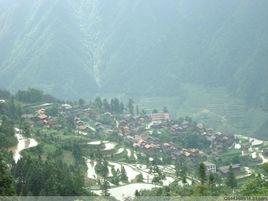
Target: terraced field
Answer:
pixel 214 107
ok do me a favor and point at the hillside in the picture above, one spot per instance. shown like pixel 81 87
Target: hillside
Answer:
pixel 105 148
pixel 140 48
pixel 104 43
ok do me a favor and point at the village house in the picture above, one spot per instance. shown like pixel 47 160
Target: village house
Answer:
pixel 191 153
pixel 256 143
pixel 210 168
pixel 66 106
pixel 204 133
pixel 265 152
pixel 160 117
pixel 139 142
pixel 151 146
pixel 224 170
pixel 108 114
pixel 167 145
pixel 41 111
pixel 53 123
pixel 85 128
pixel 88 112
pixel 219 141
pixel 185 124
pixel 176 155
pixel 77 119
pixel 176 128
pixel 157 125
pixel 27 116
pixel 99 126
pixel 245 149
pixel 42 116
pixel 200 126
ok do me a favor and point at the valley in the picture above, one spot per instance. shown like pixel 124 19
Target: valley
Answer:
pixel 122 152
pixel 134 100
pixel 133 49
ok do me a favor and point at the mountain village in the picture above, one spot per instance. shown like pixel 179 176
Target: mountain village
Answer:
pixel 151 149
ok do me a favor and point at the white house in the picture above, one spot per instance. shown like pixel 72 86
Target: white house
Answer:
pixel 210 167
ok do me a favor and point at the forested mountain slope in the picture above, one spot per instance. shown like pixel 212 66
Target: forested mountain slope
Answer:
pixel 80 48
pixel 46 43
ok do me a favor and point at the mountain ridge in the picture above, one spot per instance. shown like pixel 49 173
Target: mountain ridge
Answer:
pixel 138 48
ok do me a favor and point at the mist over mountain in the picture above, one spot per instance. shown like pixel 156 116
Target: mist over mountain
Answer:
pixel 151 48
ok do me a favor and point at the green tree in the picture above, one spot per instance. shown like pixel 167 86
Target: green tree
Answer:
pixel 14 110
pixel 137 193
pixel 131 106
pixel 165 110
pixel 26 129
pixel 123 176
pixel 137 110
pixel 122 107
pixel 7 133
pixel 98 103
pixel 106 105
pixel 104 187
pixel 155 111
pixel 143 112
pixel 7 126
pixel 6 181
pixel 202 173
pixel 102 169
pixel 265 168
pixel 115 106
pixel 116 176
pixel 255 187
pixel 4 94
pixel 194 140
pixel 181 172
pixel 231 180
pixel 211 180
pixel 53 110
pixel 81 102
pixel 30 96
pixel 51 177
pixel 139 178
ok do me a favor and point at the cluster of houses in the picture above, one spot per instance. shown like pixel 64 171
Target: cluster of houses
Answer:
pixel 41 115
pixel 41 118
pixel 251 147
pixel 211 168
pixel 137 131
pixel 218 141
pixel 83 127
pixel 192 152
